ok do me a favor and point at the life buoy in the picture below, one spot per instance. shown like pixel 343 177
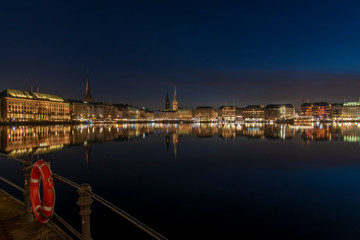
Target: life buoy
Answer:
pixel 43 210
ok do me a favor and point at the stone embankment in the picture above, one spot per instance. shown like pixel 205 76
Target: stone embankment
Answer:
pixel 13 228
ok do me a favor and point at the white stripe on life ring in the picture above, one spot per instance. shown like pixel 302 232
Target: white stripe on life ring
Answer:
pixel 44 164
pixel 36 208
pixel 34 180
pixel 48 209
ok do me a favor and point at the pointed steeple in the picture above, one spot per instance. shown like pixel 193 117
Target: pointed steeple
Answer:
pixel 87 93
pixel 175 102
pixel 167 103
pixel 175 95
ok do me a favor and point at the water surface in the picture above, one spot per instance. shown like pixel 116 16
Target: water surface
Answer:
pixel 192 181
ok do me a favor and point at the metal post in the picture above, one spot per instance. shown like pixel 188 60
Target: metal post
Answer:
pixel 27 217
pixel 84 203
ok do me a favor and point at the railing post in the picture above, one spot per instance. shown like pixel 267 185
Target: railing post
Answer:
pixel 84 203
pixel 27 217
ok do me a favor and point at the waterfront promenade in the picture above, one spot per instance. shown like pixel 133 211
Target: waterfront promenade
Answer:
pixel 12 227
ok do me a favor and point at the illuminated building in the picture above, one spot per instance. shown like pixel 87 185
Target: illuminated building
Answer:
pixel 276 112
pixel 17 105
pixel 227 113
pixel 165 115
pixel 167 102
pixel 129 112
pixel 239 112
pixel 185 114
pixel 306 109
pixel 81 111
pixel 175 102
pixel 336 110
pixel 351 111
pixel 320 110
pixel 146 115
pixel 205 114
pixel 253 113
pixel 103 111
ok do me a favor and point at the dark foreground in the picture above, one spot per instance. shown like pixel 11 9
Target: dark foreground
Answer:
pixel 12 228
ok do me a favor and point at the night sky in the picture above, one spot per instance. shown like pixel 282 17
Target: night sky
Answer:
pixel 216 52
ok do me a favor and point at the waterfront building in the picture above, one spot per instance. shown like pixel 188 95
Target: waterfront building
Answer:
pixel 146 114
pixel 104 111
pixel 165 115
pixel 128 112
pixel 175 102
pixel 205 114
pixel 274 112
pixel 185 114
pixel 320 110
pixel 254 113
pixel 227 113
pixel 239 112
pixel 336 110
pixel 18 105
pixel 306 110
pixel 351 111
pixel 81 111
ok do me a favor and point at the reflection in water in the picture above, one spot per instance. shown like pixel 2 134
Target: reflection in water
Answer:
pixel 26 140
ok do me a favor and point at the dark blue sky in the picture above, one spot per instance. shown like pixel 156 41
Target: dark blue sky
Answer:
pixel 216 52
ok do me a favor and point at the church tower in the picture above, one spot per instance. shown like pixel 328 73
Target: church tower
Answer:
pixel 87 93
pixel 175 102
pixel 167 103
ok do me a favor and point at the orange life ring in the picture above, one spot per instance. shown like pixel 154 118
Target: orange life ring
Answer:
pixel 43 210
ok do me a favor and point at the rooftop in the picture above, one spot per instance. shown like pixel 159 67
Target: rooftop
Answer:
pixel 30 95
pixel 348 104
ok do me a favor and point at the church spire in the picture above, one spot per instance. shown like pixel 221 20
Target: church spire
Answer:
pixel 167 103
pixel 175 102
pixel 175 95
pixel 87 93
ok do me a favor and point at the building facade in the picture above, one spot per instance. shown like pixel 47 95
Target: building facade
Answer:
pixel 336 110
pixel 81 111
pixel 227 113
pixel 185 114
pixel 351 111
pixel 254 113
pixel 17 105
pixel 319 110
pixel 205 114
pixel 165 115
pixel 275 112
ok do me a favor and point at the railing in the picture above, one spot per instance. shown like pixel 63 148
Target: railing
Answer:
pixel 85 200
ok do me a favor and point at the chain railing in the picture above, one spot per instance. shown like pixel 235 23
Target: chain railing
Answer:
pixel 84 202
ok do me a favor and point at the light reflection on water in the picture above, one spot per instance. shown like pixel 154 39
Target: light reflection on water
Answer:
pixel 204 181
pixel 18 141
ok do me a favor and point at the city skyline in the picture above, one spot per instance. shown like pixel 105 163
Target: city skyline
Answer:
pixel 217 54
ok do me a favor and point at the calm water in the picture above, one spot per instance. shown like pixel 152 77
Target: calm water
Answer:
pixel 203 181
